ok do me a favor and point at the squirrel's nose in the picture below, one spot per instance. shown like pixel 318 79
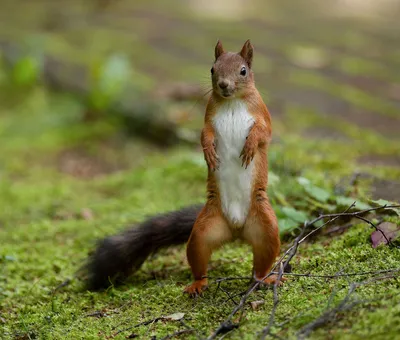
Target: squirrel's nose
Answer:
pixel 223 84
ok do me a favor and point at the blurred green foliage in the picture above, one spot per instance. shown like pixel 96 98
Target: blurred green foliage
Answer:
pixel 108 81
pixel 331 88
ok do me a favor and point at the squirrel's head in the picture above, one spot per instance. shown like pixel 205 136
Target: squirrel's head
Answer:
pixel 231 73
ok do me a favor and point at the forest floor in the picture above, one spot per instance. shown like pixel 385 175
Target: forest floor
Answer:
pixel 64 182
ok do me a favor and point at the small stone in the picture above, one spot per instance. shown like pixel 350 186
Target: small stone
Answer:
pixel 256 304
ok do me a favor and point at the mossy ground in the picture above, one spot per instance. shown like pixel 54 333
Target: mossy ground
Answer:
pixel 45 237
pixel 66 183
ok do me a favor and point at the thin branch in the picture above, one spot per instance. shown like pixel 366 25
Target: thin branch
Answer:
pixel 345 304
pixel 230 297
pixel 284 261
pixel 267 330
pixel 334 276
pixel 320 217
pixel 144 323
pixel 62 285
pixel 178 333
pixel 222 279
pixel 227 324
pixel 388 241
pixel 352 214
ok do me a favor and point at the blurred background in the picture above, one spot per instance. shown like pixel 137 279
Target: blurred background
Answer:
pixel 90 88
pixel 101 108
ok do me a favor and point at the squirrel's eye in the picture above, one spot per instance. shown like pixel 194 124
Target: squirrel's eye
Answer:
pixel 212 70
pixel 243 71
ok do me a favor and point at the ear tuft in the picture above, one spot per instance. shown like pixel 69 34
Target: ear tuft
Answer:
pixel 247 52
pixel 218 50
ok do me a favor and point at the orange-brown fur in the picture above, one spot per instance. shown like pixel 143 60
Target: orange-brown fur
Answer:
pixel 212 228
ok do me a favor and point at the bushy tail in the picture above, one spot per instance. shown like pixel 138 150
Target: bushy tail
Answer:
pixel 116 257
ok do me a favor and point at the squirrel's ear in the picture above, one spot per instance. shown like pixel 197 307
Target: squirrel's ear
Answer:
pixel 218 50
pixel 247 52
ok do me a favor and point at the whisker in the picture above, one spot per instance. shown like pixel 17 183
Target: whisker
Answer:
pixel 206 93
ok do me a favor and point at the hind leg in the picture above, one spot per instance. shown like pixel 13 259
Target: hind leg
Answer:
pixel 261 232
pixel 209 232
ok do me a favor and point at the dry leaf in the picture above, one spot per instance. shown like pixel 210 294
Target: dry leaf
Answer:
pixel 390 230
pixel 256 304
pixel 174 317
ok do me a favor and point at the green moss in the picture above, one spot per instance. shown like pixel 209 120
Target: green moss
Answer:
pixel 39 261
pixel 348 93
pixel 45 237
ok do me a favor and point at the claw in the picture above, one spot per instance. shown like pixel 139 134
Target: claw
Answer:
pixel 211 157
pixel 273 279
pixel 196 288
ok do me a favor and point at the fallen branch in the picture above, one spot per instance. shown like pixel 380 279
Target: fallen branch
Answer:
pixel 322 276
pixel 344 305
pixel 267 329
pixel 227 324
pixel 334 276
pixel 356 214
pixel 144 323
pixel 284 261
pixel 61 285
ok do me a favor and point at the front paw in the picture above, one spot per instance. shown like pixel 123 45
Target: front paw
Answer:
pixel 211 157
pixel 248 152
pixel 196 288
pixel 273 280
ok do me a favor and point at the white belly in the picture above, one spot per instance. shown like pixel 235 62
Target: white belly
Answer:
pixel 232 123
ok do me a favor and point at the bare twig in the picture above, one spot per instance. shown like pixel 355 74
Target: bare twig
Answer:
pixel 144 323
pixel 356 214
pixel 388 241
pixel 345 304
pixel 227 324
pixel 221 279
pixel 320 217
pixel 178 333
pixel 97 314
pixel 284 261
pixel 62 285
pixel 334 276
pixel 230 297
pixel 267 329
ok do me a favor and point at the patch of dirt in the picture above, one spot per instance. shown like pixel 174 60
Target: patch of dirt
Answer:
pixel 385 160
pixel 181 91
pixel 324 132
pixel 388 190
pixel 369 84
pixel 332 107
pixel 103 157
pixel 81 164
pixel 381 188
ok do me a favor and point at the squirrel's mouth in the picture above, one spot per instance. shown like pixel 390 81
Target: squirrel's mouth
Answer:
pixel 227 94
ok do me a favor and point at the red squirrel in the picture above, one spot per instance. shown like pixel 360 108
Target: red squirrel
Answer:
pixel 235 138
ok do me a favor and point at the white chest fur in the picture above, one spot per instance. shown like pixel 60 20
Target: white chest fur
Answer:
pixel 232 123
